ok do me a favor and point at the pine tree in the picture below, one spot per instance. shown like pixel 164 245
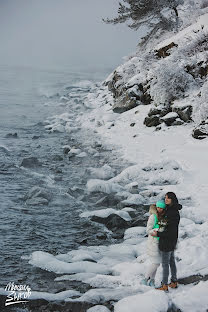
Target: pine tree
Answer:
pixel 157 15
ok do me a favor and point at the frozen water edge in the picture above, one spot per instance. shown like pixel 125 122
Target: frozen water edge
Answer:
pixel 147 148
pixel 115 271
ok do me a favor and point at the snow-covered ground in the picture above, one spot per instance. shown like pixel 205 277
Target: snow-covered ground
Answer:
pixel 166 160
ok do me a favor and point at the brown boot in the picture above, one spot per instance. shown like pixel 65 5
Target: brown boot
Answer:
pixel 173 285
pixel 163 287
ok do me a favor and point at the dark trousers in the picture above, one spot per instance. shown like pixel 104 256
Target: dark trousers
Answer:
pixel 168 260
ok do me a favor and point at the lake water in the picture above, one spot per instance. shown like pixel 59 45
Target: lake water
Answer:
pixel 28 97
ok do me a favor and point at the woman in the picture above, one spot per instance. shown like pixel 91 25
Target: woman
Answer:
pixel 168 240
pixel 155 220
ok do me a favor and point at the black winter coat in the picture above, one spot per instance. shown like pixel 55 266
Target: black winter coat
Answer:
pixel 168 238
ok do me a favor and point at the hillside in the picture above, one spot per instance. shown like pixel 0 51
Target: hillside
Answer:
pixel 153 110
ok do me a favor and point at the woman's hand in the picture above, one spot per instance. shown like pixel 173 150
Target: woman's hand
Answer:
pixel 154 233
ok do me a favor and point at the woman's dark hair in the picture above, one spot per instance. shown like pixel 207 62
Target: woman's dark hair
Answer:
pixel 173 197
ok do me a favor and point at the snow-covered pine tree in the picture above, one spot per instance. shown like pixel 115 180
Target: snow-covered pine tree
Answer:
pixel 155 15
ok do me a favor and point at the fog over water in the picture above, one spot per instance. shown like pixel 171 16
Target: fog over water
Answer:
pixel 63 33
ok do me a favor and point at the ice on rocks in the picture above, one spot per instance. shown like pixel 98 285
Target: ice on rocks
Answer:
pixel 192 299
pixel 98 308
pixel 82 154
pixel 134 199
pixel 104 213
pixel 103 173
pixel 134 232
pixel 63 295
pixel 151 301
pixel 102 295
pixel 96 185
pixel 49 262
pixel 53 297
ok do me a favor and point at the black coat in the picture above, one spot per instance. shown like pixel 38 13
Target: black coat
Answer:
pixel 168 238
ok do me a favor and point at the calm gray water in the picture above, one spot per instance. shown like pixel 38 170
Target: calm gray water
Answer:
pixel 27 98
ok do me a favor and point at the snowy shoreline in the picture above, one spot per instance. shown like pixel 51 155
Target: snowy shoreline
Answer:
pixel 166 160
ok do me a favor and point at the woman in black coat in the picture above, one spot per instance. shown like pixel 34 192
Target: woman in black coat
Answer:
pixel 168 240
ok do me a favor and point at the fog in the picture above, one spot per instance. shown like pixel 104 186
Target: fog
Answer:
pixel 63 33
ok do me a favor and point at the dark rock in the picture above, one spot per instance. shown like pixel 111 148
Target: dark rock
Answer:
pixel 193 279
pixel 132 124
pixel 31 162
pixel 58 171
pixel 4 150
pixel 164 51
pixel 169 119
pixel 57 158
pixel 75 192
pixel 201 131
pixel 112 222
pixel 82 241
pixel 178 122
pixel 58 178
pixel 12 135
pixel 37 191
pixel 37 196
pixel 124 103
pixel 152 121
pixel 118 235
pixel 160 110
pixel 184 112
pixel 173 308
pixel 101 236
pixel 41 305
pixel 108 201
pixel 66 150
pixel 35 137
pixel 199 70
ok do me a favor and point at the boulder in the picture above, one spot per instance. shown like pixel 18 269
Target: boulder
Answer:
pixel 184 112
pixel 152 121
pixel 113 222
pixel 201 131
pixel 107 201
pixel 101 236
pixel 124 102
pixel 169 118
pixel 37 196
pixel 57 158
pixel 178 122
pixel 159 110
pixel 165 51
pixel 12 135
pixel 30 162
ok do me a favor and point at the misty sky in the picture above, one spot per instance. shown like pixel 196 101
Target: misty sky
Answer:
pixel 53 33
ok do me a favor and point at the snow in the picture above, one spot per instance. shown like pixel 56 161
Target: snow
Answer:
pixel 104 173
pixel 97 185
pixel 193 298
pixel 48 296
pixel 170 115
pixel 104 213
pixel 49 262
pixel 161 161
pixel 98 308
pixel 134 232
pixel 151 301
